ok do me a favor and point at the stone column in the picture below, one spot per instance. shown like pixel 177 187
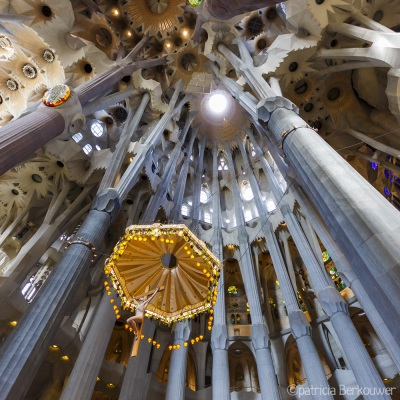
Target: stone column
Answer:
pixel 364 224
pixel 219 333
pixel 114 74
pixel 82 380
pixel 119 154
pixel 299 325
pixel 159 197
pixel 195 213
pixel 177 366
pixel 176 211
pixel 136 380
pixel 26 347
pixel 349 278
pixel 19 138
pixel 336 308
pixel 330 299
pixel 260 339
pixel 23 351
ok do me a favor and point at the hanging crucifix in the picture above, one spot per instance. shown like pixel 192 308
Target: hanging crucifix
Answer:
pixel 136 322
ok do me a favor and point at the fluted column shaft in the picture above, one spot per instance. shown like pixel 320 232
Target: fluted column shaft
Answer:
pixel 136 380
pixel 300 327
pixel 25 349
pixel 341 263
pixel 82 380
pixel 219 334
pixel 176 213
pixel 177 365
pixel 364 224
pixel 19 138
pixel 160 195
pixel 260 339
pixel 120 152
pixel 331 301
pixel 195 214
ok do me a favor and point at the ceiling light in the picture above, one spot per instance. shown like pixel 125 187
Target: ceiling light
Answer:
pixel 115 12
pixel 218 103
pixel 13 323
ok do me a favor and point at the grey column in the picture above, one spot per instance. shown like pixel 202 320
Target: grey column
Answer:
pixel 159 197
pixel 299 325
pixel 177 365
pixel 374 316
pixel 19 138
pixel 137 378
pixel 336 308
pixel 260 339
pixel 176 211
pixel 219 333
pixel 82 380
pixel 24 350
pixel 364 224
pixel 195 213
pixel 26 347
pixel 331 301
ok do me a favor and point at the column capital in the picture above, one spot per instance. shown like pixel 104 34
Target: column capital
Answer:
pixel 219 337
pixel 299 324
pixel 259 337
pixel 182 331
pixel 266 107
pixel 107 201
pixel 331 301
pixel 65 101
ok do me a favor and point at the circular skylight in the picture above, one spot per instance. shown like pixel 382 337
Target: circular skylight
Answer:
pixel 218 103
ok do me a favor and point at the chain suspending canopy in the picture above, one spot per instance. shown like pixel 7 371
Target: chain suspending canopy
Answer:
pixel 168 256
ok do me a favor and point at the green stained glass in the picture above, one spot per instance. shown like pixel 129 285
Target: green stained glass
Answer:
pixel 194 3
pixel 232 290
pixel 325 256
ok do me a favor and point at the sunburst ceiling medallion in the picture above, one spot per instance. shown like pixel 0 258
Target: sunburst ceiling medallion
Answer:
pixel 155 16
pixel 169 257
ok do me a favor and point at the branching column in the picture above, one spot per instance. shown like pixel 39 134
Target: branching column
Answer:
pixel 364 224
pixel 260 339
pixel 195 213
pixel 219 334
pixel 176 212
pixel 373 314
pixel 162 189
pixel 26 347
pixel 332 302
pixel 299 324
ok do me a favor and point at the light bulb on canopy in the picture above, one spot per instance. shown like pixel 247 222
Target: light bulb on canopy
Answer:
pixel 171 257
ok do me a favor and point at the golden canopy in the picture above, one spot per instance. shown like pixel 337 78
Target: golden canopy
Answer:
pixel 169 257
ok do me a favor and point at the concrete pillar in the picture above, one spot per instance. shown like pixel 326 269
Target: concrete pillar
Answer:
pixel 364 224
pixel 299 325
pixel 176 211
pixel 343 266
pixel 82 380
pixel 219 334
pixel 195 212
pixel 177 366
pixel 260 339
pixel 19 138
pixel 24 350
pixel 137 378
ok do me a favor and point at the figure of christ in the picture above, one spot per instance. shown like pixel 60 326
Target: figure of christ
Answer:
pixel 141 305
